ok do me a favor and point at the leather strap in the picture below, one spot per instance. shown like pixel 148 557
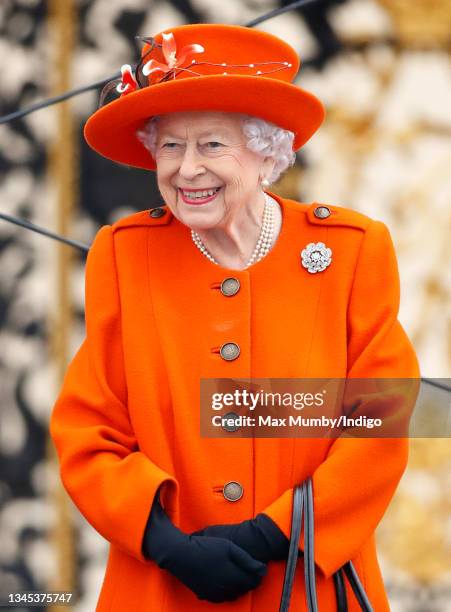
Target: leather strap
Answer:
pixel 340 591
pixel 309 556
pixel 357 587
pixel 293 552
pixel 303 509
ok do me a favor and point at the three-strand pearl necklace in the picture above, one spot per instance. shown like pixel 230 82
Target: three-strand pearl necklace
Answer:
pixel 264 241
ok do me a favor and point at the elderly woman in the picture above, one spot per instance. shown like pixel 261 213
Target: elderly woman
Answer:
pixel 225 280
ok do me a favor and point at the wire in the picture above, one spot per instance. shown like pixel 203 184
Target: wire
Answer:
pixel 432 382
pixel 45 232
pixel 279 11
pixel 50 101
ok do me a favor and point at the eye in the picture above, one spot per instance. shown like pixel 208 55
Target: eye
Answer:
pixel 214 145
pixel 169 145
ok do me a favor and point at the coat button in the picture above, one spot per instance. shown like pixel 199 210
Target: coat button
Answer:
pixel 230 286
pixel 232 491
pixel 229 351
pixel 322 212
pixel 157 212
pixel 230 426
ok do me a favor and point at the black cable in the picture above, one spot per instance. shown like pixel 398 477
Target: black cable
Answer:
pixel 50 101
pixel 45 232
pixel 432 382
pixel 279 11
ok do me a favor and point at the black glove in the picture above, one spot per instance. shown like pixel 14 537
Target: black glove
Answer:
pixel 213 568
pixel 260 537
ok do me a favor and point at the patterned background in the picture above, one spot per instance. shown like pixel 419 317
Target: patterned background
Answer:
pixel 382 67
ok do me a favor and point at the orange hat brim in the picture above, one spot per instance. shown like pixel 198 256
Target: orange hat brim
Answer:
pixel 111 130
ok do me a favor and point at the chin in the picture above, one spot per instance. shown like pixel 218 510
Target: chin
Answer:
pixel 202 227
pixel 199 224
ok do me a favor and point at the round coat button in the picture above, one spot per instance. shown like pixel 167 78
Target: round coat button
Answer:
pixel 230 286
pixel 232 491
pixel 229 351
pixel 157 212
pixel 228 421
pixel 322 212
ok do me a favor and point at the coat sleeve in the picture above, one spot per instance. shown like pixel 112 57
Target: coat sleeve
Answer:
pixel 358 478
pixel 102 468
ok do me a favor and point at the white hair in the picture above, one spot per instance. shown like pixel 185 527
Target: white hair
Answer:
pixel 262 137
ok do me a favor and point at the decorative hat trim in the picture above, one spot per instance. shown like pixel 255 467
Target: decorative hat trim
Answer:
pixel 131 82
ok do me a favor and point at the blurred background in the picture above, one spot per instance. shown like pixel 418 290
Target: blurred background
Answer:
pixel 383 70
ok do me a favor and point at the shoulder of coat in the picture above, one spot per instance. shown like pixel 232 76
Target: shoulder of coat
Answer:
pixel 330 214
pixel 160 215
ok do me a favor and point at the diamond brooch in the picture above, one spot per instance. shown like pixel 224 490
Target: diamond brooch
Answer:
pixel 316 257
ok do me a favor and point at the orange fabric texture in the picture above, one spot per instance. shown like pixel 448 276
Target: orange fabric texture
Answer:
pixel 127 417
pixel 272 96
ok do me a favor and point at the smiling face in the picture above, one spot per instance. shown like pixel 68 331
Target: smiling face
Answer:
pixel 205 172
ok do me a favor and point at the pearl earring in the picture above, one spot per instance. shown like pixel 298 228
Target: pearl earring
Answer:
pixel 265 182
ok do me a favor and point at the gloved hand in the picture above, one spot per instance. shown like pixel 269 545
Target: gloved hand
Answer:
pixel 215 569
pixel 260 537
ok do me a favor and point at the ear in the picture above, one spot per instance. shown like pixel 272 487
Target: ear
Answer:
pixel 267 167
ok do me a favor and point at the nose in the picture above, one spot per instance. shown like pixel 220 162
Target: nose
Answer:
pixel 191 164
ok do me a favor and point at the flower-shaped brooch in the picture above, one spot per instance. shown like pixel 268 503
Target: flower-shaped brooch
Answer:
pixel 170 55
pixel 129 83
pixel 316 257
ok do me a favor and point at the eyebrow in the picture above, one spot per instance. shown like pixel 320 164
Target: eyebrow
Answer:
pixel 219 131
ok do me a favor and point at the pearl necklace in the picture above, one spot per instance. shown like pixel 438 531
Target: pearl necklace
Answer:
pixel 264 241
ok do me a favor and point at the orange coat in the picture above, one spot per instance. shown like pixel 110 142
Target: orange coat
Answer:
pixel 127 416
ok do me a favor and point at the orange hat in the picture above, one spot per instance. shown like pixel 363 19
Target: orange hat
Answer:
pixel 204 67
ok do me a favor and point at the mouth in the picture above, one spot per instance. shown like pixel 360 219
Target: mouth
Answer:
pixel 201 196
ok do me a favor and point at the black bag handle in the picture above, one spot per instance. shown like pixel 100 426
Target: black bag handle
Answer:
pixel 303 508
pixel 309 559
pixel 293 552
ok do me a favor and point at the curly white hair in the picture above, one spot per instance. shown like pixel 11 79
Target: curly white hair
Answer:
pixel 262 137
